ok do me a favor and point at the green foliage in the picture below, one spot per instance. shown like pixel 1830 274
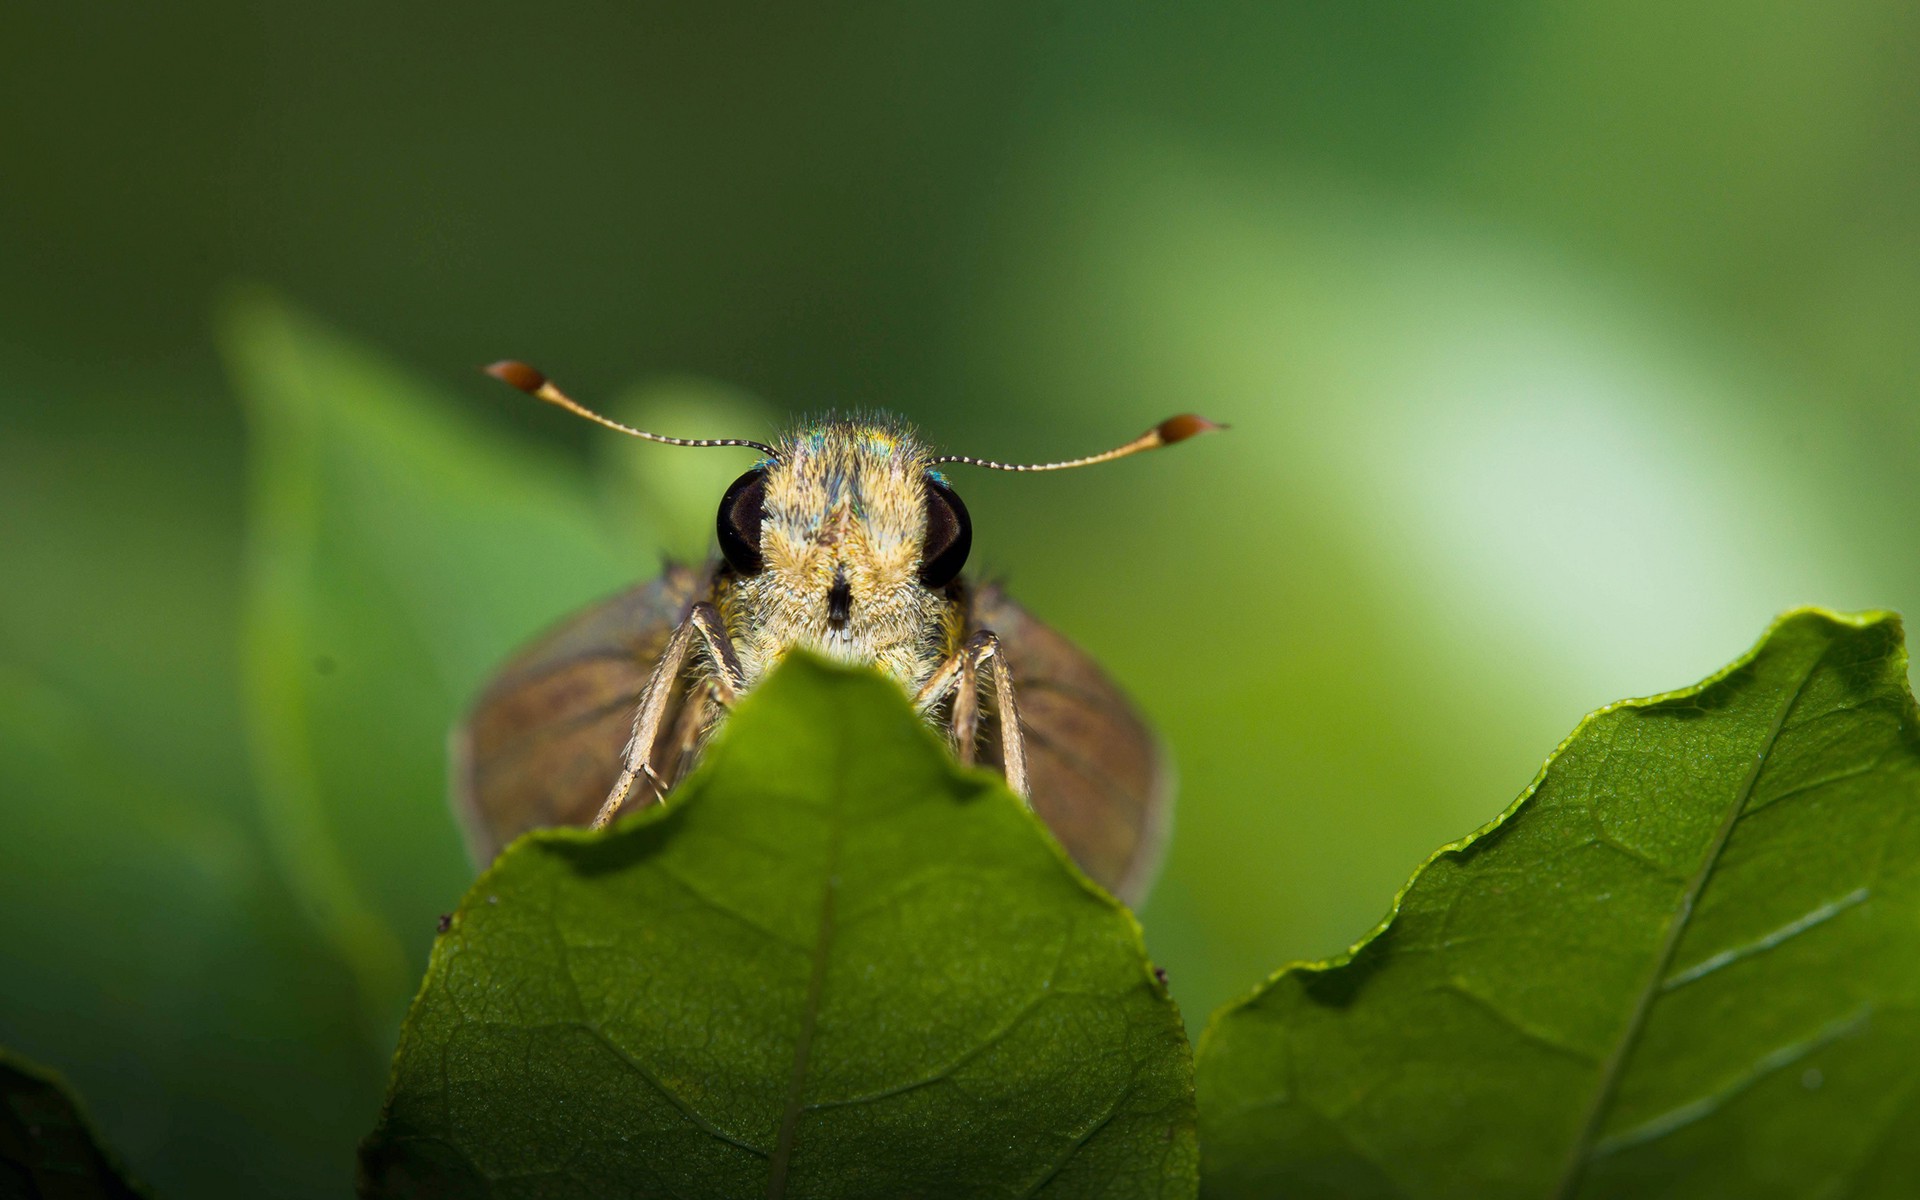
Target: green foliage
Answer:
pixel 377 507
pixel 1563 343
pixel 147 944
pixel 48 1150
pixel 835 965
pixel 1685 963
pixel 1681 964
pixel 398 549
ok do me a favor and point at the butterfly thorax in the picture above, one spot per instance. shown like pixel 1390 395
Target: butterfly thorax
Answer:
pixel 841 534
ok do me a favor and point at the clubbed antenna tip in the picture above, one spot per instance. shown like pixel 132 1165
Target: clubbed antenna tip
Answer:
pixel 1166 433
pixel 533 383
pixel 1184 426
pixel 519 375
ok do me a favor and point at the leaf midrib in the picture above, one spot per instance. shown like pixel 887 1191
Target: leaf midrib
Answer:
pixel 1581 1152
pixel 779 1167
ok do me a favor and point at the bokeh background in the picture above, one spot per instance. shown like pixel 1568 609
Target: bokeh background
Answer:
pixel 1564 344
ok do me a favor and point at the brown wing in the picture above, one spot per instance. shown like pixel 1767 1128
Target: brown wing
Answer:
pixel 1096 772
pixel 542 745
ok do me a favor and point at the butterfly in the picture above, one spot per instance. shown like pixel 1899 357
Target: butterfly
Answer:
pixel 846 539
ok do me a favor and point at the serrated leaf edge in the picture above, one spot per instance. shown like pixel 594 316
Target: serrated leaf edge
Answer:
pixel 1866 619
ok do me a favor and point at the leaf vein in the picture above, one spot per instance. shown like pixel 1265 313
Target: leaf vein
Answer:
pixel 653 1081
pixel 781 1164
pixel 1052 1170
pixel 1614 1069
pixel 946 1070
pixel 1799 925
pixel 1813 785
pixel 1773 1062
pixel 1546 1041
pixel 719 906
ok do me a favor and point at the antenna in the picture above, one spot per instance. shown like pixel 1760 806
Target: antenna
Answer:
pixel 1166 433
pixel 534 384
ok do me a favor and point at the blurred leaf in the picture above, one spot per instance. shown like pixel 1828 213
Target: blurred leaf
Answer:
pixel 47 1148
pixel 151 952
pixel 839 966
pixel 120 536
pixel 147 944
pixel 1685 963
pixel 398 550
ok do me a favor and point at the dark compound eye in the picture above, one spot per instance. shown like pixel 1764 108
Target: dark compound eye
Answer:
pixel 949 536
pixel 739 521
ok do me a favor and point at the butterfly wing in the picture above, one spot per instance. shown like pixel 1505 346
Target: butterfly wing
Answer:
pixel 1097 775
pixel 542 745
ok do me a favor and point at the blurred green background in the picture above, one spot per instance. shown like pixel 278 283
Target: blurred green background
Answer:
pixel 1564 344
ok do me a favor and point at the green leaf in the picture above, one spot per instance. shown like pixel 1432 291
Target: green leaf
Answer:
pixel 836 965
pixel 147 946
pixel 398 550
pixel 1685 963
pixel 47 1147
pixel 147 943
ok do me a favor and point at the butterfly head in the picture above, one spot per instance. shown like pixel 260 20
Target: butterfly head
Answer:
pixel 845 537
pixel 844 540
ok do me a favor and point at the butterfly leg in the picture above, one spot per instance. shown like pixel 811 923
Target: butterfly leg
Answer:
pixel 697 712
pixel 729 680
pixel 1013 739
pixel 723 682
pixel 960 675
pixel 646 724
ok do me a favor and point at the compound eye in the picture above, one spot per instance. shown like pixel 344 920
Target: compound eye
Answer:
pixel 949 536
pixel 738 523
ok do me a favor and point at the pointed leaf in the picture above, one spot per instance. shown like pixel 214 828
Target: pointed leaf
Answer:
pixel 1685 963
pixel 398 549
pixel 836 965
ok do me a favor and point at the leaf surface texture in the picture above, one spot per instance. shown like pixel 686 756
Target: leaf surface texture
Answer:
pixel 1685 963
pixel 835 965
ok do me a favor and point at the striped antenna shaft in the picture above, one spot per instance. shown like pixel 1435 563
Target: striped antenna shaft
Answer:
pixel 534 384
pixel 1166 433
